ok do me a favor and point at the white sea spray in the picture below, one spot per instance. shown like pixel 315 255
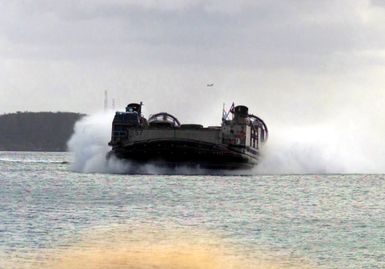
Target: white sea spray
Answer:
pixel 349 141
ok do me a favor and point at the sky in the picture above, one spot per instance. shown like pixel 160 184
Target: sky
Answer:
pixel 298 61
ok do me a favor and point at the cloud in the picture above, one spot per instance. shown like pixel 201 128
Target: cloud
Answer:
pixel 301 51
pixel 218 32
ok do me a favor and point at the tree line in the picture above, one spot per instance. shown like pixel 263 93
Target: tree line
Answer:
pixel 36 131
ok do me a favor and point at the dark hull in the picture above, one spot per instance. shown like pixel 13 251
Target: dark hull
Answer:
pixel 190 153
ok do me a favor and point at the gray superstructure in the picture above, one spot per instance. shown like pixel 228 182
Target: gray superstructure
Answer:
pixel 163 140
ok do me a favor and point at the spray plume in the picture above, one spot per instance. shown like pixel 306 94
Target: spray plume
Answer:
pixel 349 142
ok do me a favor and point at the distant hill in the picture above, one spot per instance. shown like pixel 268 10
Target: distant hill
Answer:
pixel 36 131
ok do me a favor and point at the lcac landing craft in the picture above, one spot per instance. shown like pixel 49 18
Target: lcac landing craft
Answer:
pixel 162 140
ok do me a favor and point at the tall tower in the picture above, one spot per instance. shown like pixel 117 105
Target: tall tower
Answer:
pixel 105 100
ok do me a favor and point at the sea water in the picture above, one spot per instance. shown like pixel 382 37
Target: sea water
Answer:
pixel 51 217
